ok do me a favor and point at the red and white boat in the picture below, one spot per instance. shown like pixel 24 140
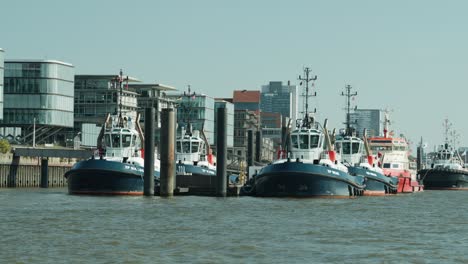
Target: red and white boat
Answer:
pixel 393 157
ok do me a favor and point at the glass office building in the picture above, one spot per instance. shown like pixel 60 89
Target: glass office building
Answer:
pixel 1 83
pixel 38 91
pixel 95 97
pixel 371 119
pixel 279 98
pixel 99 95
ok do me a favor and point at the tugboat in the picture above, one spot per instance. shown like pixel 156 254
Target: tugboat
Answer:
pixel 393 157
pixel 447 171
pixel 308 170
pixel 117 168
pixel 351 150
pixel 195 162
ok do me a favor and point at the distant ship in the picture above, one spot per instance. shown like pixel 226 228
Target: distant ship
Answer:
pixel 118 168
pixel 307 170
pixel 447 171
pixel 393 157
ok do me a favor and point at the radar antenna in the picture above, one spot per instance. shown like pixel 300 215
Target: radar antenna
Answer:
pixel 307 122
pixel 348 95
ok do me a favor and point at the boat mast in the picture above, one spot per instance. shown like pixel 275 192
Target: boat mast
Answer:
pixel 386 123
pixel 447 126
pixel 119 81
pixel 307 79
pixel 187 106
pixel 348 95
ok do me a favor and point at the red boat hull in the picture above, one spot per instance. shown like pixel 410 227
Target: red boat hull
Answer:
pixel 405 183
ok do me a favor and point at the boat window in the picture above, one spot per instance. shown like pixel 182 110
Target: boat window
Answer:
pixel 186 146
pixel 134 138
pixel 194 147
pixel 380 141
pixel 115 140
pixel 304 141
pixel 314 141
pixel 346 148
pixel 386 165
pixel 295 143
pixel 179 149
pixel 202 148
pixel 395 166
pixel 338 147
pixel 350 149
pixel 126 140
pixel 381 148
pixel 107 141
pixel 356 147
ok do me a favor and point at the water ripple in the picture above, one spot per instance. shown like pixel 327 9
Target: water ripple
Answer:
pixel 48 225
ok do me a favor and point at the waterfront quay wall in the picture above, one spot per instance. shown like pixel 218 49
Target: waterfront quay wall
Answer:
pixel 27 172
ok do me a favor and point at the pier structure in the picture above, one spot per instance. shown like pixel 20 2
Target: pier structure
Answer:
pixel 18 174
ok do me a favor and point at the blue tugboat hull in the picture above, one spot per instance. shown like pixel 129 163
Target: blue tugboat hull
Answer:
pixel 103 177
pixel 297 179
pixel 376 183
pixel 188 176
pixel 444 179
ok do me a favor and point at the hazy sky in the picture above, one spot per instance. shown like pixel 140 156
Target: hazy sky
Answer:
pixel 407 56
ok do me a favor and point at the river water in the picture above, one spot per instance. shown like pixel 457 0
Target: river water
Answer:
pixel 50 226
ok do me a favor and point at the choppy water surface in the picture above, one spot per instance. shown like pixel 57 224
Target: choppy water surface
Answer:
pixel 48 225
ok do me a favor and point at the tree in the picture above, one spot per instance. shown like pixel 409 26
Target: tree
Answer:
pixel 4 146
